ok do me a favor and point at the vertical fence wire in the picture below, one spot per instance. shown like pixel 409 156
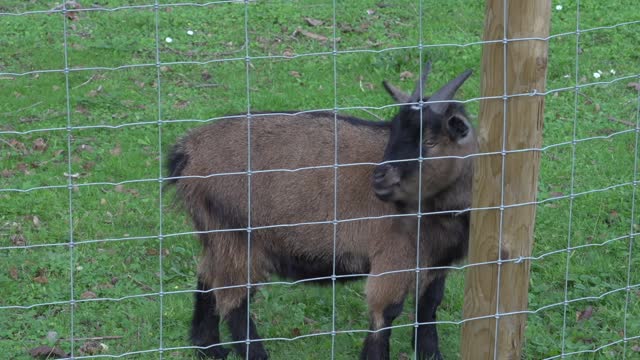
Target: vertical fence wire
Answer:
pixel 569 250
pixel 336 161
pixel 420 87
pixel 505 107
pixel 627 300
pixel 247 45
pixel 70 185
pixel 156 11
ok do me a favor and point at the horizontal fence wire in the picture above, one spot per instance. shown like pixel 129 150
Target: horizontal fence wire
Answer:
pixel 72 182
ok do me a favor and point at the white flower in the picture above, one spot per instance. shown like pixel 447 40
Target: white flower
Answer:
pixel 613 72
pixel 600 72
pixel 168 39
pixel 189 32
pixel 596 75
pixel 558 7
pixel 566 76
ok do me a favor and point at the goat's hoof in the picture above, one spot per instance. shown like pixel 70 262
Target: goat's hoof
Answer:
pixel 217 352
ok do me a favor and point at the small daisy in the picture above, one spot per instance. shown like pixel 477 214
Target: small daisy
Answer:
pixel 596 75
pixel 168 39
pixel 189 32
pixel 558 7
pixel 613 72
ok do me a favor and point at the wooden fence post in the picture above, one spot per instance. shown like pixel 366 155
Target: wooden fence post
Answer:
pixel 525 70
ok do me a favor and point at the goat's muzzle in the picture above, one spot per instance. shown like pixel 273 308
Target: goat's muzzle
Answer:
pixel 385 180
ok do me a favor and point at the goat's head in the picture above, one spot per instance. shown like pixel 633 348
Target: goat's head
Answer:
pixel 434 129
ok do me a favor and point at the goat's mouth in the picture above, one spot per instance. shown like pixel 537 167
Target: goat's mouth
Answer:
pixel 385 181
pixel 383 193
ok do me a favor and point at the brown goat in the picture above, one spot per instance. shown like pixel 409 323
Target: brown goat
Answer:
pixel 239 213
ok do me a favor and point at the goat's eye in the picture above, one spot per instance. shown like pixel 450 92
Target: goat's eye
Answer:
pixel 430 143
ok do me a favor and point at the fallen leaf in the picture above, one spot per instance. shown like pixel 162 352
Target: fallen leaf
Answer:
pixel 310 35
pixel 370 11
pixel 46 352
pixel 309 321
pixel 635 85
pixel 288 53
pixel 6 173
pixel 18 240
pixel 557 194
pixel 36 221
pixel 24 168
pixel 296 332
pixel 313 22
pixel 81 109
pixel 119 188
pixel 114 280
pixel 91 348
pixel 181 104
pixel 154 252
pixel 52 336
pixel 73 176
pixel 597 108
pixel 95 92
pixel 39 145
pixel 42 279
pixel 17 145
pixel 635 348
pixel 88 295
pixel 13 272
pixel 584 314
pixel 116 151
pixel 406 75
pixel 89 165
pixel 295 74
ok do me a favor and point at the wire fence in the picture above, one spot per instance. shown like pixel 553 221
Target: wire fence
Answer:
pixel 628 337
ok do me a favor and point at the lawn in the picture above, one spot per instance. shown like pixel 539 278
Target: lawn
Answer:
pixel 81 153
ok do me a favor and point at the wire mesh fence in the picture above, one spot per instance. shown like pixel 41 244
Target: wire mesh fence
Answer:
pixel 97 262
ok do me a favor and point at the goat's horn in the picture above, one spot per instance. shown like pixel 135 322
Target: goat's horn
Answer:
pixel 447 92
pixel 420 83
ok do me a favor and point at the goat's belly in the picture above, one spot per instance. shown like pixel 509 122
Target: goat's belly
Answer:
pixel 319 270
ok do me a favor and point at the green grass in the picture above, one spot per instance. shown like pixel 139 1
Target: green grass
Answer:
pixel 212 83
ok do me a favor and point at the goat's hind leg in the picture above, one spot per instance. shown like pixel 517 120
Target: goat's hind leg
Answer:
pixel 205 331
pixel 233 298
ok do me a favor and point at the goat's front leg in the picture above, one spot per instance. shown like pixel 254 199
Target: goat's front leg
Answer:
pixel 385 297
pixel 427 339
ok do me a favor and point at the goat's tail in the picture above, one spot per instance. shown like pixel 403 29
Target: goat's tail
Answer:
pixel 176 162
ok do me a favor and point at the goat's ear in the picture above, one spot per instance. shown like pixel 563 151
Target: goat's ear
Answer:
pixel 458 127
pixel 398 95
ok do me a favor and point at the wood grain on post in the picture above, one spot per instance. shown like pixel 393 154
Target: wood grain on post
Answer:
pixel 526 68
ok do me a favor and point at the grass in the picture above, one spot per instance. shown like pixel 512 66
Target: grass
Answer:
pixel 204 76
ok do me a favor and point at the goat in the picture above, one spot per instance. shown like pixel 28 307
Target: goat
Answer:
pixel 236 200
